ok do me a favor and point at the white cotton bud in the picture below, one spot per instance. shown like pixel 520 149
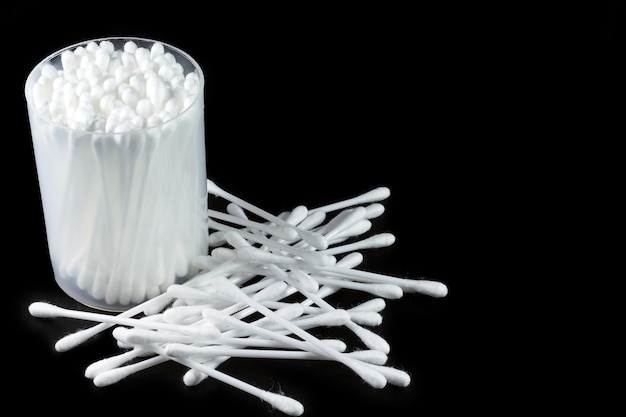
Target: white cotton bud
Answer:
pixel 166 72
pixel 130 47
pixel 102 59
pixel 56 108
pixel 92 47
pixel 172 106
pixel 153 120
pixel 138 82
pixel 130 97
pixel 109 85
pixel 106 104
pixel 156 50
pixel 84 115
pixel 80 51
pixel 107 46
pixel 69 60
pixel 192 83
pixel 111 124
pixel 49 71
pixel 138 122
pixel 104 89
pixel 144 108
pixel 41 94
pixel 129 61
pixel 82 87
pixel 178 80
pixel 122 74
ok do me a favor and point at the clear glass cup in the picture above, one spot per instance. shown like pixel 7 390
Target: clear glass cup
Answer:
pixel 125 213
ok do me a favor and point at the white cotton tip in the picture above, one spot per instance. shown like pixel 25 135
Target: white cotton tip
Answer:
pixel 314 257
pixel 372 340
pixel 212 188
pixel 140 336
pixel 217 238
pixel 193 378
pixel 381 240
pixel 374 378
pixel 394 376
pixel 313 220
pixel 155 306
pixel 236 210
pixel 111 362
pixel 256 255
pixel 223 285
pixel 389 291
pixel 426 287
pixel 222 254
pixel 297 215
pixel 332 318
pixel 180 350
pixel 235 240
pixel 336 344
pixel 183 292
pixel 203 331
pixel 366 318
pixel 284 404
pixel 219 318
pixel 100 366
pixel 283 232
pixel 351 260
pixel 119 333
pixel 377 194
pixel 307 282
pixel 110 377
pixel 359 228
pixel 316 240
pixel 72 340
pixel 374 210
pixel 375 305
pixel 182 313
pixel 274 290
pixel 375 357
pixel 44 310
pixel 291 311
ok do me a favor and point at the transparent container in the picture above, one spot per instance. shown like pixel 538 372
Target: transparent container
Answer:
pixel 125 211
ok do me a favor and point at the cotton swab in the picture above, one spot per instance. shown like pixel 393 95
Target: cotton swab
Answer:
pixel 314 239
pixel 380 240
pixel 114 375
pixel 46 310
pixel 427 287
pixel 432 288
pixel 72 340
pixel 364 317
pixel 112 362
pixel 151 306
pixel 375 379
pixel 374 357
pixel 377 194
pixel 315 257
pixel 282 232
pixel 258 268
pixel 283 403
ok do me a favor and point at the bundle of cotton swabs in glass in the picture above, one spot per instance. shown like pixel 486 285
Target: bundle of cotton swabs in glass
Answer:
pixel 258 294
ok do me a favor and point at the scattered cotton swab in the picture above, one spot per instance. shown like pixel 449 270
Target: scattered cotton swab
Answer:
pixel 259 294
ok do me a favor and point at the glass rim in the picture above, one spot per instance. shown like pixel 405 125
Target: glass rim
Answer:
pixel 30 81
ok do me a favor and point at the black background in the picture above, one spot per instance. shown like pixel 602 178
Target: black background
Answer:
pixel 312 105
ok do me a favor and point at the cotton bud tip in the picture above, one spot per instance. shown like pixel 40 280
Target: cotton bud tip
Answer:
pixel 43 310
pixel 431 288
pixel 284 404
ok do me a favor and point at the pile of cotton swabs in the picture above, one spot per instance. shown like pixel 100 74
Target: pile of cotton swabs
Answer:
pixel 259 292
